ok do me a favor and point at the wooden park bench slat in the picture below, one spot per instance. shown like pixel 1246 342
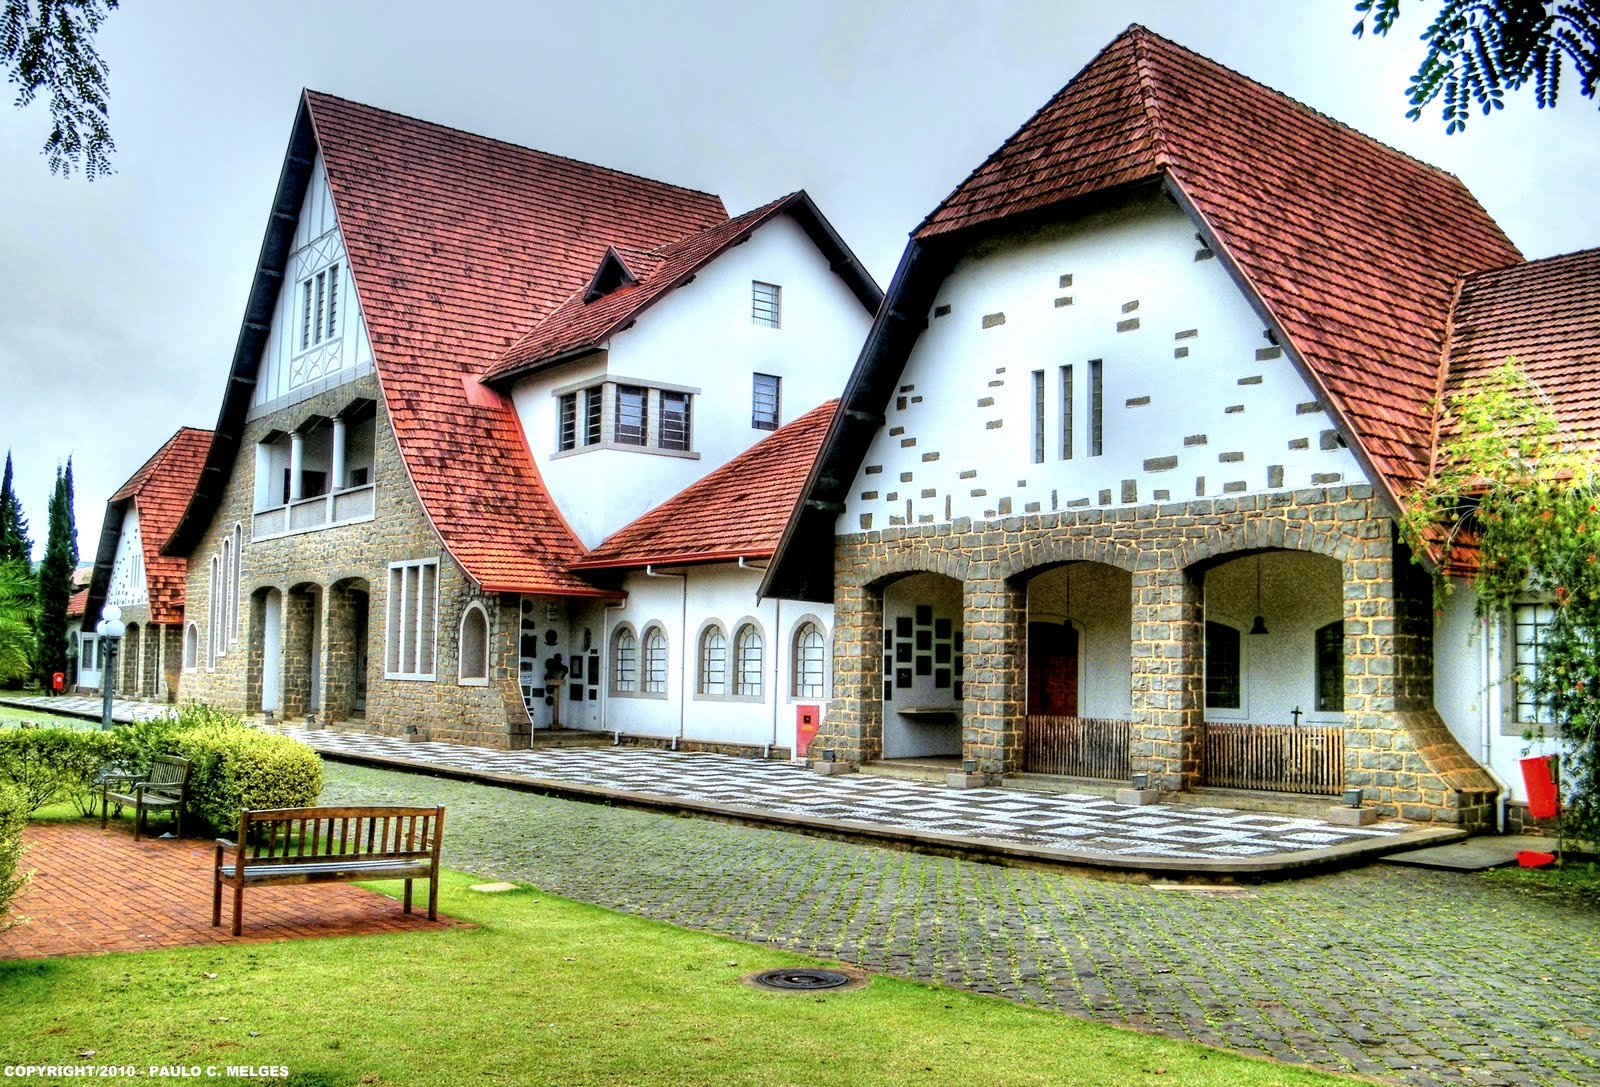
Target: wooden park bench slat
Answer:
pixel 167 788
pixel 259 860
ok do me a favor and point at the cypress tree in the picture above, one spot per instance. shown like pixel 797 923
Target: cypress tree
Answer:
pixel 14 542
pixel 55 581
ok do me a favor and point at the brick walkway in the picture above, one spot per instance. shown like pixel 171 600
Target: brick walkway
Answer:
pixel 1431 979
pixel 97 891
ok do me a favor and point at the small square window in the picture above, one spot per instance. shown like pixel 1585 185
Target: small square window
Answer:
pixel 766 400
pixel 766 301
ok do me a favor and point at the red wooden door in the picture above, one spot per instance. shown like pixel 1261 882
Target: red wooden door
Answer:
pixel 1052 669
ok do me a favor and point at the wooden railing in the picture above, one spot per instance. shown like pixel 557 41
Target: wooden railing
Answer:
pixel 1084 747
pixel 1282 758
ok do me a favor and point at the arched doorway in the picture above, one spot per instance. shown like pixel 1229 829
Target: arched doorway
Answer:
pixel 266 623
pixel 302 647
pixel 132 643
pixel 923 660
pixel 346 654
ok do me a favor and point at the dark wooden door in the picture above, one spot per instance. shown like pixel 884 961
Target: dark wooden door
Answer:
pixel 1052 669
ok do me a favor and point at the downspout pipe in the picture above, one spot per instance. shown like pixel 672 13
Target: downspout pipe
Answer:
pixel 1489 713
pixel 683 643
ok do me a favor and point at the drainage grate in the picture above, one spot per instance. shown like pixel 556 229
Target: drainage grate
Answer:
pixel 801 979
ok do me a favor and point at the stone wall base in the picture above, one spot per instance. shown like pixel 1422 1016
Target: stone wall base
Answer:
pixel 1410 764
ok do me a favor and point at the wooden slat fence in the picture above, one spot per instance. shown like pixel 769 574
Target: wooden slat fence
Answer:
pixel 1282 758
pixel 1084 747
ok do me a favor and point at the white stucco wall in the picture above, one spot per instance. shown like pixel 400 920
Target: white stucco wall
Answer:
pixel 128 586
pixel 1197 401
pixel 1472 690
pixel 727 595
pixel 700 337
pixel 287 373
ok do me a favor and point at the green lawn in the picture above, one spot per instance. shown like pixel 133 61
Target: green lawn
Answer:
pixel 12 716
pixel 550 991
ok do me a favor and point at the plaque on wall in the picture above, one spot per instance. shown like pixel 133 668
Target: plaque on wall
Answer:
pixel 902 626
pixel 888 637
pixel 959 690
pixel 575 693
pixel 902 678
pixel 941 679
pixel 888 690
pixel 924 640
pixel 941 628
pixel 902 652
pixel 924 615
pixel 941 653
pixel 924 665
pixel 577 667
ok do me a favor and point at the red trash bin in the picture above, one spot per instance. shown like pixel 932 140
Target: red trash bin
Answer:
pixel 1539 776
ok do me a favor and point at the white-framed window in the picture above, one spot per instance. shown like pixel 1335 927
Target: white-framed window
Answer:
pixel 766 304
pixel 766 401
pixel 625 414
pixel 219 631
pixel 810 661
pixel 1066 413
pixel 474 646
pixel 624 661
pixel 89 654
pixel 191 646
pixel 1529 624
pixel 1038 417
pixel 633 415
pixel 1097 407
pixel 748 659
pixel 233 586
pixel 411 630
pixel 213 605
pixel 713 663
pixel 319 307
pixel 676 431
pixel 655 660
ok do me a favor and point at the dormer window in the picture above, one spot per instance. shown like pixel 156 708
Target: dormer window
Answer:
pixel 629 416
pixel 766 303
pixel 319 307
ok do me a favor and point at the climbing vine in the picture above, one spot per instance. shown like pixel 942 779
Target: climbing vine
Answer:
pixel 1515 498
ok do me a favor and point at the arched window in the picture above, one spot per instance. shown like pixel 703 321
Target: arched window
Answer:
pixel 747 658
pixel 713 669
pixel 624 661
pixel 233 586
pixel 220 630
pixel 191 647
pixel 213 603
pixel 809 660
pixel 474 645
pixel 655 661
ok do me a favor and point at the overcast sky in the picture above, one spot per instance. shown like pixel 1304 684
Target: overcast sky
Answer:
pixel 120 301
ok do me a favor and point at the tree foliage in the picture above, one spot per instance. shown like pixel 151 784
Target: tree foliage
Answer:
pixel 14 542
pixel 1515 495
pixel 1480 49
pixel 55 578
pixel 18 600
pixel 48 45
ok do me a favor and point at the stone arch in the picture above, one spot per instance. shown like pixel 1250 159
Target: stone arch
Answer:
pixel 1266 535
pixel 1044 552
pixel 917 559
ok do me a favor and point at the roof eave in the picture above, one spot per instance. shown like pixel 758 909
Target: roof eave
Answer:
pixel 682 558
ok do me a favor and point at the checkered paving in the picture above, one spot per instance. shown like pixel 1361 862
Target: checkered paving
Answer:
pixel 1090 825
pixel 123 712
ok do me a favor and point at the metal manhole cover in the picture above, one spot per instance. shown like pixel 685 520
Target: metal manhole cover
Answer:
pixel 804 980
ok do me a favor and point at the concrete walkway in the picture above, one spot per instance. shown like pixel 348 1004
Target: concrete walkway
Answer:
pixel 123 711
pixel 993 824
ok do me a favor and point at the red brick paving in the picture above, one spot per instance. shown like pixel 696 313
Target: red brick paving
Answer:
pixel 95 892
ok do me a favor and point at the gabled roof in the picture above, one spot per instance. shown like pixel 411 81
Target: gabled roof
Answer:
pixel 583 322
pixel 1546 315
pixel 1349 250
pixel 613 274
pixel 159 491
pixel 738 510
pixel 77 602
pixel 457 244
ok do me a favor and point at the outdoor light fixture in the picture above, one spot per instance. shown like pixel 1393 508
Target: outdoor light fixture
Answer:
pixel 1352 798
pixel 1260 625
pixel 828 755
pixel 1140 781
pixel 969 766
pixel 110 629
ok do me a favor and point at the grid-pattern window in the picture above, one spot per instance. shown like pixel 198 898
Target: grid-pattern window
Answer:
pixel 809 650
pixel 1066 413
pixel 319 307
pixel 624 661
pixel 655 661
pixel 1222 667
pixel 675 426
pixel 633 415
pixel 1330 667
pixel 593 398
pixel 766 401
pixel 747 659
pixel 412 619
pixel 567 422
pixel 1038 417
pixel 474 655
pixel 1097 406
pixel 1532 624
pixel 713 662
pixel 766 304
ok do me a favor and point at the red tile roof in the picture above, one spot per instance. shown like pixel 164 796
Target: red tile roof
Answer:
pixel 579 324
pixel 1354 248
pixel 458 244
pixel 1546 316
pixel 160 491
pixel 76 604
pixel 740 509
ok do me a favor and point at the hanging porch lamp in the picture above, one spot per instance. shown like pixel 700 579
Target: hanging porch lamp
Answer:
pixel 1260 625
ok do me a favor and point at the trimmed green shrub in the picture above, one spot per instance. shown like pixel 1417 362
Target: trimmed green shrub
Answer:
pixel 12 818
pixel 47 765
pixel 139 743
pixel 234 767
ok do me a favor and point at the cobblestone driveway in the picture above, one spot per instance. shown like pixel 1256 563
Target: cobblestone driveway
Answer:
pixel 1428 978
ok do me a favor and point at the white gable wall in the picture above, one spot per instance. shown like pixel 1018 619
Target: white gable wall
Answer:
pixel 287 373
pixel 701 337
pixel 128 586
pixel 1196 401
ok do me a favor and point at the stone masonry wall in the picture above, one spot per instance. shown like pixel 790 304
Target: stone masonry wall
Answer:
pixel 1397 748
pixel 335 560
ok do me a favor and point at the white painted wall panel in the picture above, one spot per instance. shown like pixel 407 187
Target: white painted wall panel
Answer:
pixel 128 585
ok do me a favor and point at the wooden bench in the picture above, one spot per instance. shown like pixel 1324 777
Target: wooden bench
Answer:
pixel 167 787
pixel 325 845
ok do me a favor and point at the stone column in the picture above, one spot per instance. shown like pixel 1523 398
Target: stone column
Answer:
pixel 339 656
pixel 995 622
pixel 854 725
pixel 1168 695
pixel 299 617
